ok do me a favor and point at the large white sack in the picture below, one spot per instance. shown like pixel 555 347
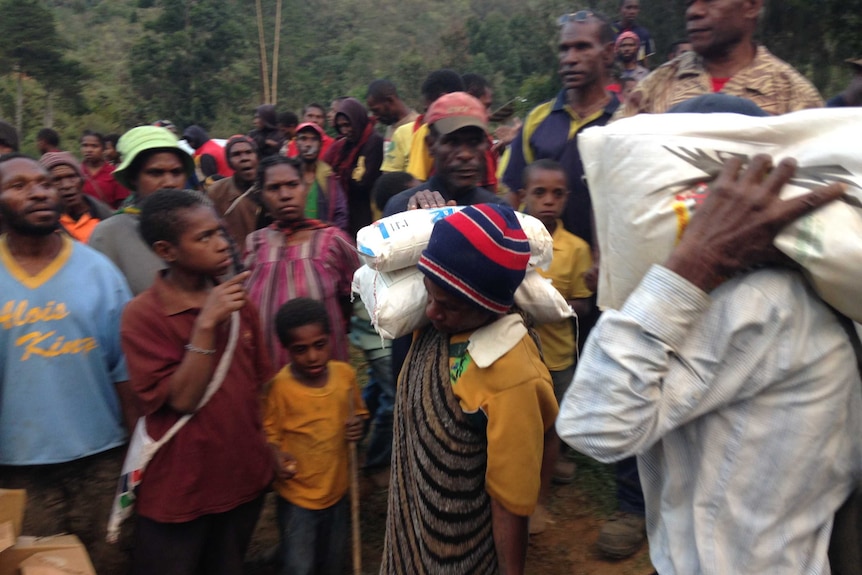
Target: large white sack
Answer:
pixel 396 242
pixel 396 300
pixel 642 170
pixel 538 297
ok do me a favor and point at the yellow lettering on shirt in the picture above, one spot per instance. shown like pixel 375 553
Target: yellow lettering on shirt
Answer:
pixel 19 313
pixel 41 344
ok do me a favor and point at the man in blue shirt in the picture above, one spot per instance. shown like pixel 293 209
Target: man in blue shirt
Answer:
pixel 64 399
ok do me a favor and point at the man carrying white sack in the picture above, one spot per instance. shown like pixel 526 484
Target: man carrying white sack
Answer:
pixel 474 409
pixel 734 384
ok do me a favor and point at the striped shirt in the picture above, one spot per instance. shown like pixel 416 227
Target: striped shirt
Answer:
pixel 321 268
pixel 767 81
pixel 743 407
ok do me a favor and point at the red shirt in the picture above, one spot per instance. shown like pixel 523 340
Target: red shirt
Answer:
pixel 103 186
pixel 220 459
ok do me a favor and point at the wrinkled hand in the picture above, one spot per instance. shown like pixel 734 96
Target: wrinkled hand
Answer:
pixel 354 428
pixel 428 199
pixel 223 300
pixel 735 227
pixel 284 463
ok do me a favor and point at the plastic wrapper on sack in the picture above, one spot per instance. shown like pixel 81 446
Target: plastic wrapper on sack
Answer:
pixel 397 241
pixel 396 300
pixel 647 175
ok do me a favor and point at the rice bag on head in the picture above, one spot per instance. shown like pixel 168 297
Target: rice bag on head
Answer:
pixel 649 173
pixel 397 241
pixel 538 297
pixel 395 300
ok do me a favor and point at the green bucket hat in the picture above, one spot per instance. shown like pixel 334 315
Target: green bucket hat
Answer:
pixel 146 139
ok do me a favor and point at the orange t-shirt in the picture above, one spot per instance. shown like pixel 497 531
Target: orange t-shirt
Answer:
pixel 81 229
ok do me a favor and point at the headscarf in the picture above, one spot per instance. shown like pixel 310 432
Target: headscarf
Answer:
pixel 267 115
pixel 196 136
pixel 343 153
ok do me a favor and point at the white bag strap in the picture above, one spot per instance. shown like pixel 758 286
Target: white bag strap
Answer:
pixel 212 387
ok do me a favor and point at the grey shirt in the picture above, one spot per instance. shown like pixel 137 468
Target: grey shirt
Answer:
pixel 119 238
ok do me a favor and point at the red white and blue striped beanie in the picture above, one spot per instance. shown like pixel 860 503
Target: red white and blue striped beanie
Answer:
pixel 479 253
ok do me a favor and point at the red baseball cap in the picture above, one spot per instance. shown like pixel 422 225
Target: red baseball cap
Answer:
pixel 310 126
pixel 456 110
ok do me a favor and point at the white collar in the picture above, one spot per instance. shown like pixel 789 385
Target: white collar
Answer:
pixel 491 342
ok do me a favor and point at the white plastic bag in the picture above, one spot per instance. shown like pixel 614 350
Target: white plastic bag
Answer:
pixel 397 241
pixel 644 172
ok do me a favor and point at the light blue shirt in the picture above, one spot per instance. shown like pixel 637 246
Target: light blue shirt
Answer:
pixel 744 407
pixel 60 357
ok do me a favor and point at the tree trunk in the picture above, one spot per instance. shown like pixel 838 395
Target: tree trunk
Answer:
pixel 19 101
pixel 264 72
pixel 275 52
pixel 49 108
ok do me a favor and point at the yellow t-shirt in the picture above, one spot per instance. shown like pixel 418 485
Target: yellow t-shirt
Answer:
pixel 309 423
pixel 421 163
pixel 572 258
pixel 514 396
pixel 396 150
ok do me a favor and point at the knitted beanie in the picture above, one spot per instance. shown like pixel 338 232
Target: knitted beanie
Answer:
pixel 479 253
pixel 51 160
pixel 238 139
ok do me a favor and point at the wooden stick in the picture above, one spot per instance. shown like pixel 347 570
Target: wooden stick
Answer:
pixel 354 512
pixel 275 48
pixel 264 72
pixel 354 501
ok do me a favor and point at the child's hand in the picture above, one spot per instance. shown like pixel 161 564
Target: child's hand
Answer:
pixel 354 427
pixel 284 463
pixel 223 300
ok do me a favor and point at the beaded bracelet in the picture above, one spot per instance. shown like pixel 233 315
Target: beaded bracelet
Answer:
pixel 200 350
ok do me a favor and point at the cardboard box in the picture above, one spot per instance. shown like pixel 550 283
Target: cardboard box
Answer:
pixel 25 555
pixel 72 561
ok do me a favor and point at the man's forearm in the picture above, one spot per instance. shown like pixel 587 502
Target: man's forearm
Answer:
pixel 510 539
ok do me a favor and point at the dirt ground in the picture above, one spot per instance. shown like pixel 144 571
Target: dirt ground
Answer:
pixel 566 547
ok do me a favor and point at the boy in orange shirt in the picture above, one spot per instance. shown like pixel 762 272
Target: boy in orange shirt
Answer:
pixel 313 410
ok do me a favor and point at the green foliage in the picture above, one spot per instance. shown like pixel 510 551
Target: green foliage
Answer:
pixel 177 64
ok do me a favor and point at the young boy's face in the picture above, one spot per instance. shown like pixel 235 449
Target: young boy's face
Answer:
pixel 545 195
pixel 309 349
pixel 202 247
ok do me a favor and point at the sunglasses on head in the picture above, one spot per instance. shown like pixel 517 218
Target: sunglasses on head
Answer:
pixel 580 16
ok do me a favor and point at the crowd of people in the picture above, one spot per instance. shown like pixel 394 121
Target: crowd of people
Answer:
pixel 206 286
